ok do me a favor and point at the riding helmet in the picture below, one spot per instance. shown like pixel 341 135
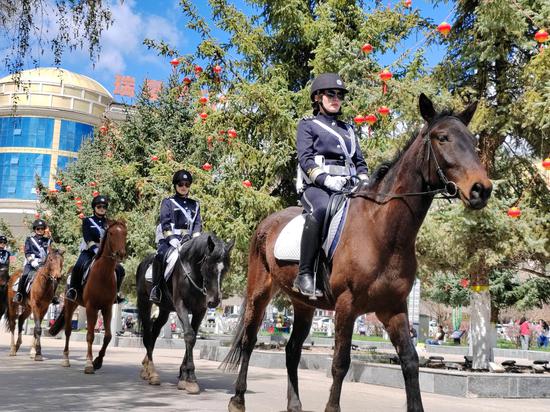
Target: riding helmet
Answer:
pixel 3 239
pixel 100 200
pixel 182 176
pixel 327 81
pixel 39 223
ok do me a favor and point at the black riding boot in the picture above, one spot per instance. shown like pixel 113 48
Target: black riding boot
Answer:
pixel 19 296
pixel 158 269
pixel 120 273
pixel 76 282
pixel 309 250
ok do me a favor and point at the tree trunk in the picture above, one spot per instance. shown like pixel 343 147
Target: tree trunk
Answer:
pixel 482 330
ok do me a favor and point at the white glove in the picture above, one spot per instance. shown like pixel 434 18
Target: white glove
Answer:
pixel 175 243
pixel 35 263
pixel 363 176
pixel 335 183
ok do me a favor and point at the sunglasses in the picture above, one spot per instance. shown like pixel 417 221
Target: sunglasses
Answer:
pixel 40 228
pixel 183 184
pixel 331 94
pixel 101 207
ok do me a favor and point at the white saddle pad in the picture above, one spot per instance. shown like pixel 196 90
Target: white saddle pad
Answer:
pixel 287 246
pixel 170 263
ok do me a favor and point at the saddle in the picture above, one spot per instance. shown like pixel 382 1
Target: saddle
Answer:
pixel 287 245
pixel 169 264
pixel 30 280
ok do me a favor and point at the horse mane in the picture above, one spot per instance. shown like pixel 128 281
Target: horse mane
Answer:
pixel 382 169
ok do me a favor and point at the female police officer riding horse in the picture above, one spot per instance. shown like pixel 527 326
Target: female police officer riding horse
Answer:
pixel 328 155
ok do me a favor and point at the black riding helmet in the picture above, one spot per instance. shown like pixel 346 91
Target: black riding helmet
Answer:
pixel 100 200
pixel 182 176
pixel 327 81
pixel 3 239
pixel 39 223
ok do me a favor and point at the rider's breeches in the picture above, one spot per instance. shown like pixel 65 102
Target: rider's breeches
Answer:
pixel 315 201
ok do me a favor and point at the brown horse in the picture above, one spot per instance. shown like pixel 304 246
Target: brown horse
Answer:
pixel 374 266
pixel 4 279
pixel 99 294
pixel 41 294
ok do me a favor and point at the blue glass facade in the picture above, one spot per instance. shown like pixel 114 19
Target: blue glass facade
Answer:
pixel 18 172
pixel 26 132
pixel 72 134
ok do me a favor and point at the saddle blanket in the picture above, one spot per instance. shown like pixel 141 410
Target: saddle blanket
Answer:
pixel 171 259
pixel 287 246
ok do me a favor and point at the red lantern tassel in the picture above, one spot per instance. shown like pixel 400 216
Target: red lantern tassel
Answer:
pixel 384 88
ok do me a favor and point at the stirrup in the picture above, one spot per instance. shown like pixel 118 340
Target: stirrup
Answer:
pixel 18 298
pixel 153 295
pixel 70 293
pixel 316 293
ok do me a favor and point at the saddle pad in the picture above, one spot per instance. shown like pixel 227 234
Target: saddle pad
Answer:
pixel 287 246
pixel 171 260
pixel 15 286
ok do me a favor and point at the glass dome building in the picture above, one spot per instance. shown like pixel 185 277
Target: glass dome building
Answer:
pixel 43 122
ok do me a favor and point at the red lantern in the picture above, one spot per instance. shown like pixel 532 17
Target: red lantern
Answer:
pixel 68 188
pixel 514 212
pixel 247 183
pixel 408 3
pixel 359 119
pixel 546 163
pixel 367 48
pixel 81 215
pixel 207 166
pixel 541 36
pixel 93 184
pixel 174 62
pixel 444 28
pixel 154 158
pixel 79 202
pixel 370 119
pixel 384 111
pixel 54 190
pixel 95 193
pixel 198 70
pixel 217 69
pixel 385 75
pixel 232 133
pixel 77 198
pixel 37 215
pixel 221 132
pixel 203 115
pixel 464 282
pixel 203 100
pixel 186 81
pixel 103 130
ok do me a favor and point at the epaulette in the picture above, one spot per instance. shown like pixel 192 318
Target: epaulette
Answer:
pixel 308 117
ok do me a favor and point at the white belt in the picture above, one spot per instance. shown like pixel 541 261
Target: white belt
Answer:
pixel 337 170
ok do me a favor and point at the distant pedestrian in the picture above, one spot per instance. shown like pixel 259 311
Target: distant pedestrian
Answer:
pixel 542 340
pixel 524 333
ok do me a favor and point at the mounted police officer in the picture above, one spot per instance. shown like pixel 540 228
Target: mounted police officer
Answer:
pixel 4 253
pixel 93 230
pixel 36 252
pixel 180 219
pixel 328 155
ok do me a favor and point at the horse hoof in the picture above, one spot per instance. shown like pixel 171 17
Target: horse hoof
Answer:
pixel 38 358
pixel 235 406
pixel 65 363
pixel 89 370
pixel 144 374
pixel 98 363
pixel 12 353
pixel 191 388
pixel 154 379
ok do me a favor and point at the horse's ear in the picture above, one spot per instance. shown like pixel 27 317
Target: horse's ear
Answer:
pixel 229 245
pixel 211 244
pixel 468 113
pixel 426 108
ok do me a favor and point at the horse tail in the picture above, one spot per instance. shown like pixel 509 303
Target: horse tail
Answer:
pixel 59 324
pixel 232 360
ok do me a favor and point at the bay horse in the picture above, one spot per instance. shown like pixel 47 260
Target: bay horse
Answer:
pixel 195 284
pixel 4 278
pixel 37 302
pixel 374 265
pixel 98 295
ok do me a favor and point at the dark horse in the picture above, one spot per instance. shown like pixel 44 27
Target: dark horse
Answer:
pixel 42 291
pixel 4 278
pixel 374 266
pixel 99 294
pixel 195 284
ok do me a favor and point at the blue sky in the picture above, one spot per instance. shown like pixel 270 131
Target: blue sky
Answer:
pixel 123 51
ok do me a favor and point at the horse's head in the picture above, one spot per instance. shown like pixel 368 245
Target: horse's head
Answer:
pixel 450 157
pixel 114 242
pixel 212 259
pixel 54 263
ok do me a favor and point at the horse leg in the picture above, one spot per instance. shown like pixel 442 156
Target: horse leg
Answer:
pixel 91 319
pixel 37 334
pixel 20 322
pixel 344 319
pixel 144 309
pixel 106 313
pixel 187 378
pixel 397 326
pixel 69 308
pixel 303 316
pixel 247 331
pixel 153 376
pixel 11 326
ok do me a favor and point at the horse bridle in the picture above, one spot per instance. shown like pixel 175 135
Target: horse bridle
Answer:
pixel 187 274
pixel 449 190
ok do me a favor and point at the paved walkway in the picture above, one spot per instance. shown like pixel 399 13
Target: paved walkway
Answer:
pixel 46 386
